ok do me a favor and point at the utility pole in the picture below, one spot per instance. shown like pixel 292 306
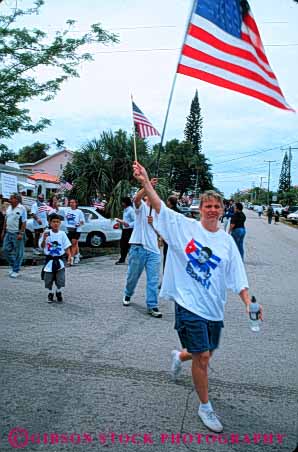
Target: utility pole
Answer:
pixel 261 183
pixel 253 194
pixel 290 161
pixel 261 180
pixel 269 165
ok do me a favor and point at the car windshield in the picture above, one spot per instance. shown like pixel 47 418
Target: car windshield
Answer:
pixel 195 202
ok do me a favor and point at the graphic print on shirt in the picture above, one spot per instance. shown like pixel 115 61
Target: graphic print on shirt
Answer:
pixel 71 219
pixel 54 248
pixel 201 262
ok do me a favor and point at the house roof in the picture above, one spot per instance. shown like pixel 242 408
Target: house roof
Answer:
pixel 45 177
pixel 48 157
pixel 12 169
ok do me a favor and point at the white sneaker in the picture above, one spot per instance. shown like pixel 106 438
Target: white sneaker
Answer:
pixel 176 366
pixel 10 271
pixel 210 420
pixel 76 259
pixel 126 300
pixel 14 274
pixel 71 261
pixel 37 251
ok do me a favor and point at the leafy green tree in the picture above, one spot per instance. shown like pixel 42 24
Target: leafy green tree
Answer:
pixel 285 176
pixel 199 170
pixel 104 165
pixel 6 154
pixel 23 51
pixel 179 167
pixel 194 125
pixel 33 153
pixel 289 197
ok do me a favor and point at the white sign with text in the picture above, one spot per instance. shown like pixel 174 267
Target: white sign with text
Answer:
pixel 9 184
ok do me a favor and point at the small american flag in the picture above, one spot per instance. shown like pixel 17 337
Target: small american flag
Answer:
pixel 99 205
pixel 65 186
pixel 143 125
pixel 223 46
pixel 43 208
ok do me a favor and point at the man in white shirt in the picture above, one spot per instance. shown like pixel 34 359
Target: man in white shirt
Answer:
pixel 14 234
pixel 202 263
pixel 144 253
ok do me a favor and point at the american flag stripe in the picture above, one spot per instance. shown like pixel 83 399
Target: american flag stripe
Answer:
pixel 218 56
pixel 43 208
pixel 144 126
pixel 206 31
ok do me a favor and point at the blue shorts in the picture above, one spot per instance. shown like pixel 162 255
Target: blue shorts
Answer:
pixel 196 334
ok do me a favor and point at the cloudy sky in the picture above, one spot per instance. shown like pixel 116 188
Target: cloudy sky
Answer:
pixel 239 133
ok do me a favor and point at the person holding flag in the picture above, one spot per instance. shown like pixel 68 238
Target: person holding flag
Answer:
pixel 144 253
pixel 202 263
pixel 39 213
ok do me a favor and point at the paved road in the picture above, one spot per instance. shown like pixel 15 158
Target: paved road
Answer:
pixel 93 367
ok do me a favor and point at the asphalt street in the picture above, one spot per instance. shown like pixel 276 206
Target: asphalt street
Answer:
pixel 90 374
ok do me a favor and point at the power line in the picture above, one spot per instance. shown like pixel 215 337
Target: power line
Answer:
pixel 254 153
pixel 103 52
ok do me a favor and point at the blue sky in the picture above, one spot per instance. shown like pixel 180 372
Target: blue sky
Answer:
pixel 144 63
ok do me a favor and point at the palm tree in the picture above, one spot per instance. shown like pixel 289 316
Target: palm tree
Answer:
pixel 105 165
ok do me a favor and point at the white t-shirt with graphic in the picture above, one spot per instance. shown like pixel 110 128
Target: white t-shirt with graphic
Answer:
pixel 200 265
pixel 143 233
pixel 73 217
pixel 55 245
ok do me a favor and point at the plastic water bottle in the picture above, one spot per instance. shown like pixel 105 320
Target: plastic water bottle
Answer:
pixel 254 315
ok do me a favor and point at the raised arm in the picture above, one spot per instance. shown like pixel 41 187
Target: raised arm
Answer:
pixel 138 198
pixel 141 175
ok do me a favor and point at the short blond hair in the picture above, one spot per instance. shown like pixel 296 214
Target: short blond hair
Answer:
pixel 207 195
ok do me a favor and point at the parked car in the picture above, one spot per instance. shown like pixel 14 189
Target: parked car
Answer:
pixel 287 210
pixel 277 208
pixel 184 210
pixel 293 217
pixel 194 207
pixel 95 232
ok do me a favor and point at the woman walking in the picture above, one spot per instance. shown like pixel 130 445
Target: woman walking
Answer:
pixel 74 219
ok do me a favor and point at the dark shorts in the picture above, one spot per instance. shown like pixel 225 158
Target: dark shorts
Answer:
pixel 39 230
pixel 58 278
pixel 73 235
pixel 196 334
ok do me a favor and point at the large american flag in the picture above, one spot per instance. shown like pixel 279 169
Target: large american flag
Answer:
pixel 223 46
pixel 143 125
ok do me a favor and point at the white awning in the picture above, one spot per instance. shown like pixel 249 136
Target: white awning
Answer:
pixel 26 185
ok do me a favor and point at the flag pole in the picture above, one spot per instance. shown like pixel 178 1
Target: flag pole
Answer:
pixel 172 90
pixel 134 132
